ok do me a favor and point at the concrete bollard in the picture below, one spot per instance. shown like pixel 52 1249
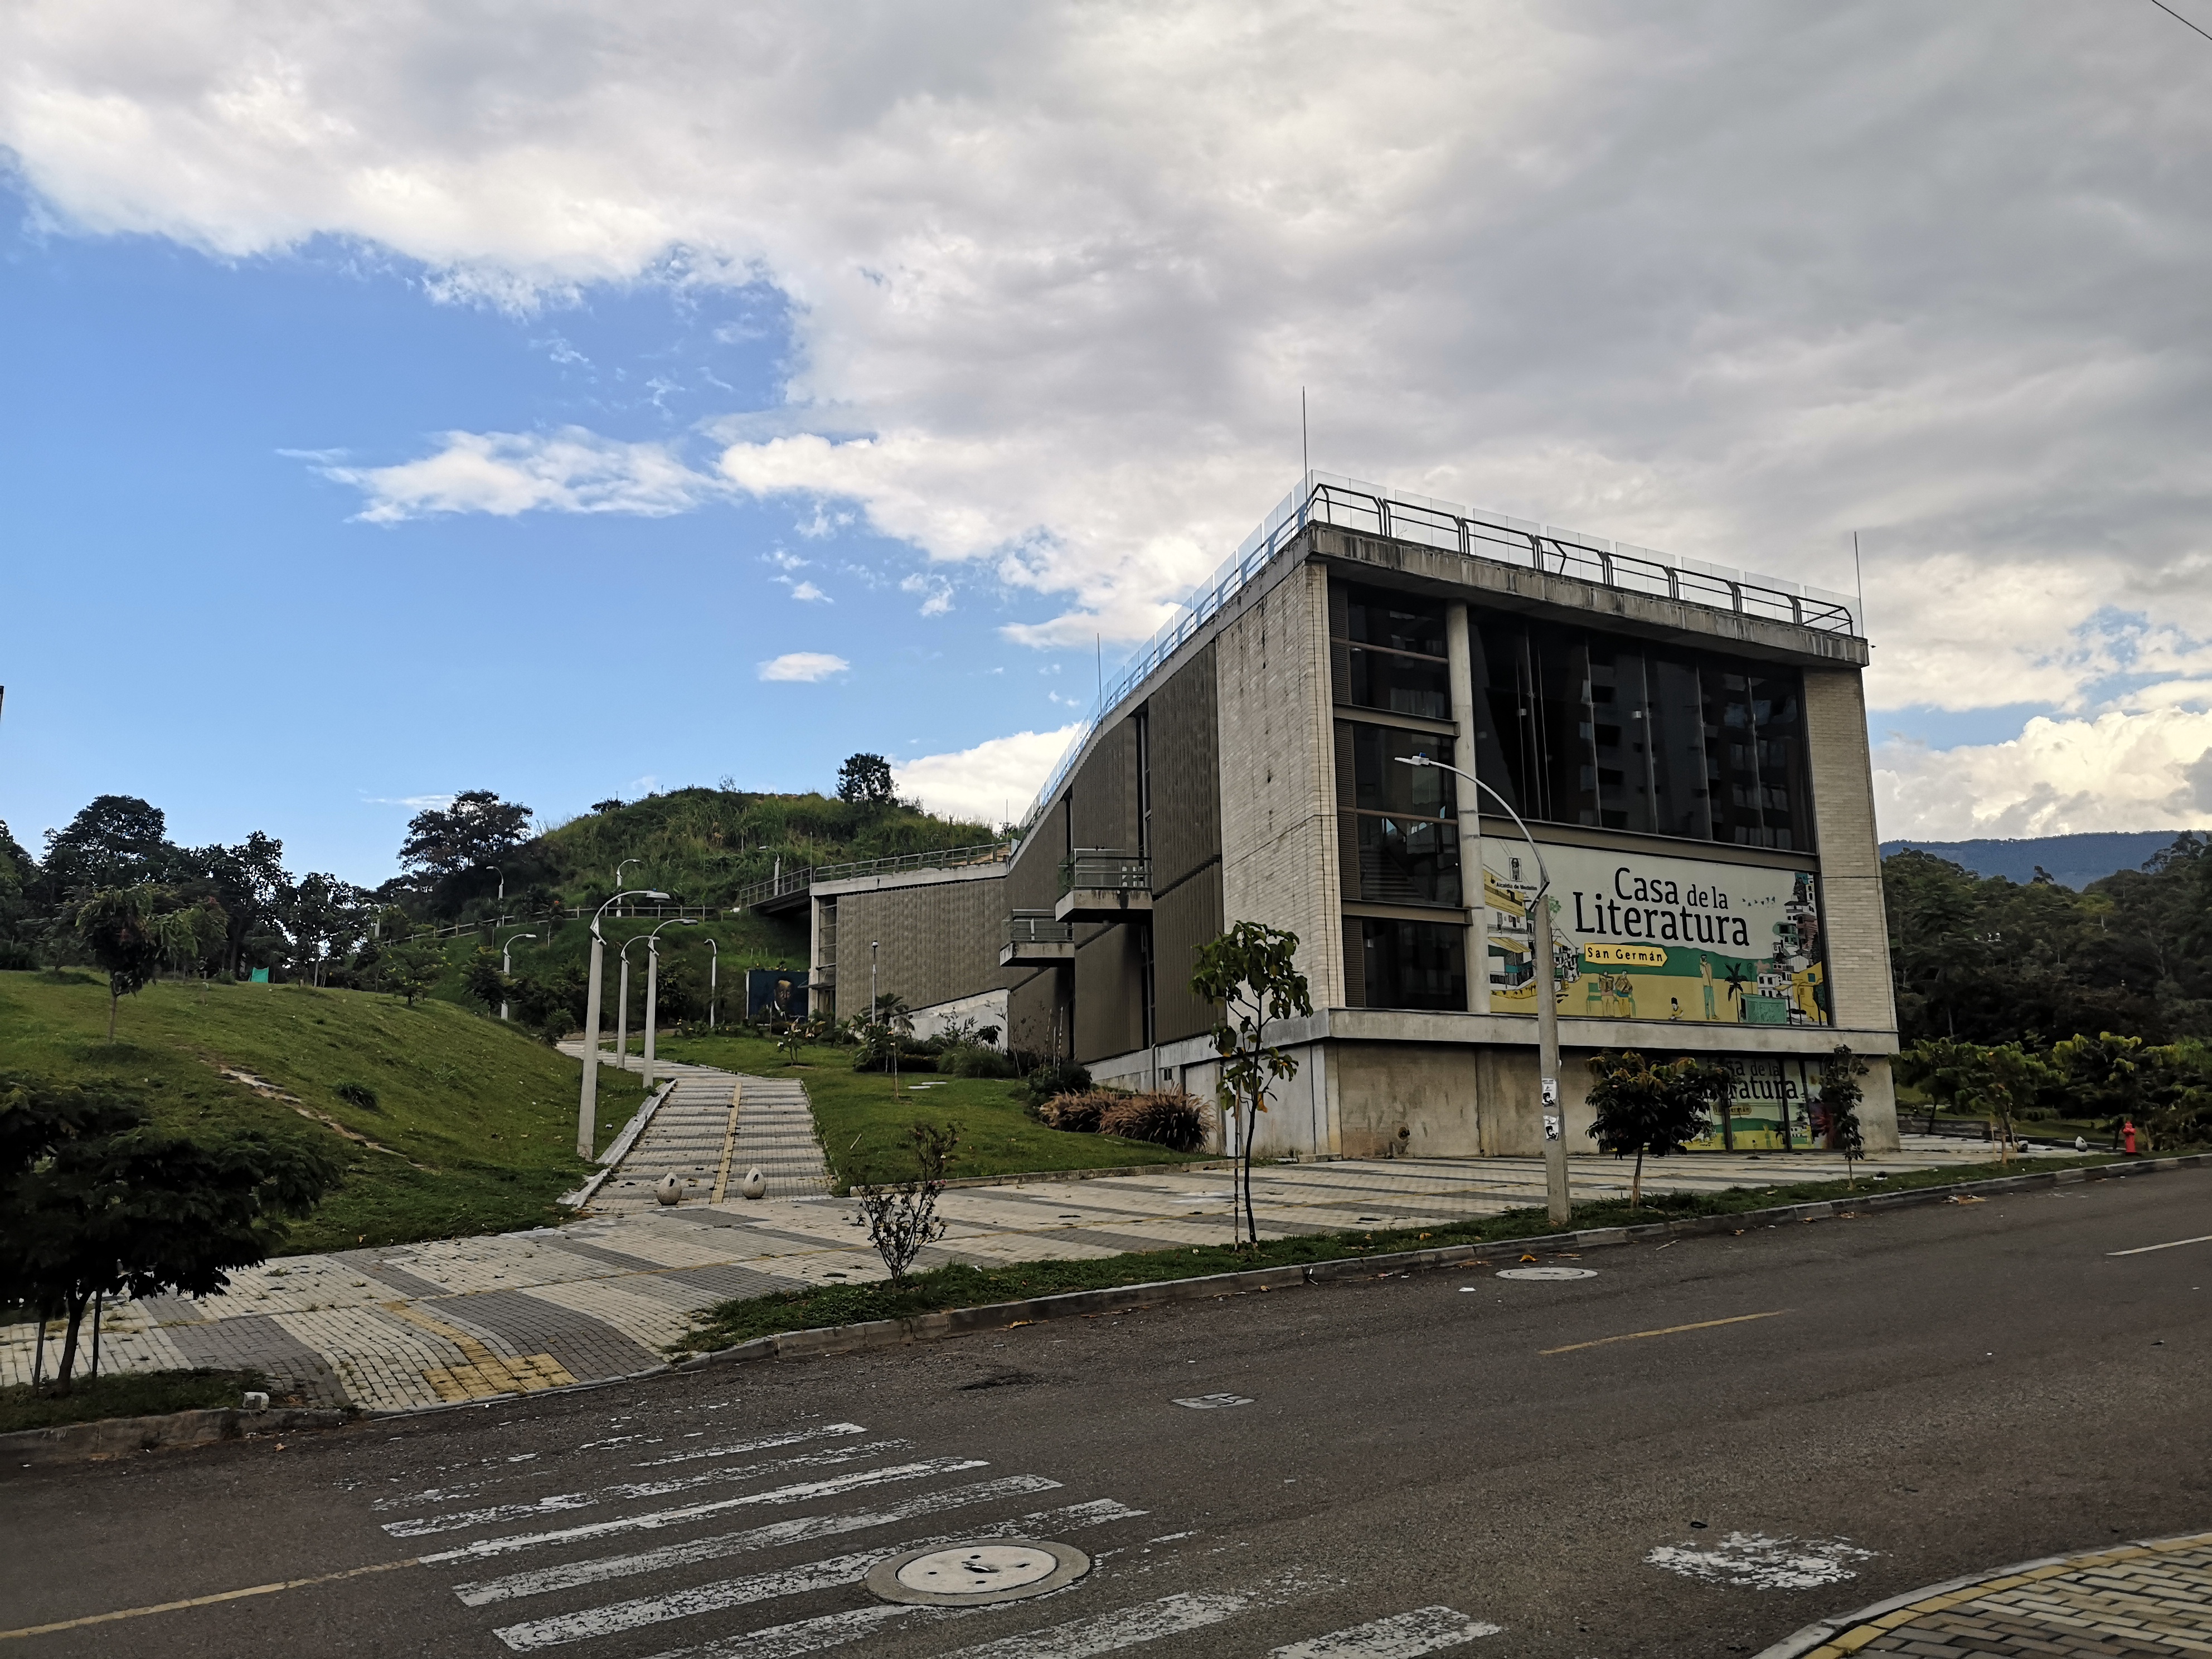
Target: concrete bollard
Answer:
pixel 256 1401
pixel 755 1184
pixel 669 1189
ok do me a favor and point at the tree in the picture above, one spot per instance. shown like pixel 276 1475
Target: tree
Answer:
pixel 97 1202
pixel 116 841
pixel 482 979
pixel 248 880
pixel 117 927
pixel 2103 1073
pixel 1944 1065
pixel 1642 1107
pixel 325 916
pixel 1840 1095
pixel 865 780
pixel 412 966
pixel 1251 973
pixel 472 833
pixel 901 1216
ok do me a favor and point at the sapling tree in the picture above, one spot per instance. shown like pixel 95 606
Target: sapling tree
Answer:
pixel 1251 973
pixel 1642 1107
pixel 412 966
pixel 901 1215
pixel 1840 1095
pixel 94 1202
pixel 118 926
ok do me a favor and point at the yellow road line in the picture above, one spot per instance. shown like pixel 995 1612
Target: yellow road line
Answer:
pixel 1638 1336
pixel 2145 1249
pixel 204 1601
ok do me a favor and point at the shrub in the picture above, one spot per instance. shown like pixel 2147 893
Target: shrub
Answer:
pixel 1077 1112
pixel 1165 1117
pixel 1064 1078
pixel 974 1060
pixel 357 1094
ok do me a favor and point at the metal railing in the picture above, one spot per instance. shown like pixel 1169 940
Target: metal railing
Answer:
pixel 1037 928
pixel 1091 869
pixel 1324 498
pixel 799 881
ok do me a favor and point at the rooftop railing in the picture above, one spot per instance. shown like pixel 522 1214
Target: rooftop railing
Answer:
pixel 1324 498
pixel 798 881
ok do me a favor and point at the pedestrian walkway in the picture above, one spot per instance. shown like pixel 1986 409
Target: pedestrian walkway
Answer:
pixel 604 1296
pixel 2141 1599
pixel 708 1131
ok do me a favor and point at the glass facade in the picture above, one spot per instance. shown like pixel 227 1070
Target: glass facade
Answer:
pixel 1414 964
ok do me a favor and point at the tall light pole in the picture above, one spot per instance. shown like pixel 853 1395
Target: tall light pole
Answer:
pixel 506 963
pixel 872 1005
pixel 587 1103
pixel 623 865
pixel 652 984
pixel 713 979
pixel 1547 1006
pixel 622 1012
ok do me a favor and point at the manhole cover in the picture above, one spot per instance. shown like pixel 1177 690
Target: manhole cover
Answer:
pixel 1547 1272
pixel 973 1575
pixel 1212 1402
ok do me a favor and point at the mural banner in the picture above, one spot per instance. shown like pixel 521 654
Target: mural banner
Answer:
pixel 1641 936
pixel 776 994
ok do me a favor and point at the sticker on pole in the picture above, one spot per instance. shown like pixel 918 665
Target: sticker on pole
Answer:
pixel 1551 1125
pixel 1550 1091
pixel 1547 1272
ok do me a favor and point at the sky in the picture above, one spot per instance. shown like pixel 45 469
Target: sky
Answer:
pixel 587 399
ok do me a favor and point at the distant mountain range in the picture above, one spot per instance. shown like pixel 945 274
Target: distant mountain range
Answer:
pixel 2073 861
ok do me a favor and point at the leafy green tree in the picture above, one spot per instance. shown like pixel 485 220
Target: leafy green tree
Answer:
pixel 116 841
pixel 1643 1106
pixel 94 1202
pixel 482 979
pixel 1943 1066
pixel 411 967
pixel 326 917
pixel 117 927
pixel 1840 1095
pixel 2103 1074
pixel 865 780
pixel 1251 973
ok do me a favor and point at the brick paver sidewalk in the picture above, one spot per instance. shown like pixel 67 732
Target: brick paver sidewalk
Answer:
pixel 604 1296
pixel 2140 1599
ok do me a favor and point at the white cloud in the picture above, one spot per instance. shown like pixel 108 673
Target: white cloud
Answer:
pixel 418 802
pixel 507 473
pixel 989 783
pixel 810 591
pixel 806 665
pixel 1728 281
pixel 2117 771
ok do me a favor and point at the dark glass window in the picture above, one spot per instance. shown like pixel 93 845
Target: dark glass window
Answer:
pixel 1407 861
pixel 1397 622
pixel 1384 784
pixel 1400 683
pixel 1414 964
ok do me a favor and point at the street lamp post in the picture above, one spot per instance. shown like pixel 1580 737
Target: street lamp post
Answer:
pixel 619 868
pixel 652 984
pixel 1547 1006
pixel 588 1101
pixel 713 980
pixel 622 1012
pixel 506 963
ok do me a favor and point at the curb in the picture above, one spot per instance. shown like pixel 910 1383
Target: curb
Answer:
pixel 1803 1643
pixel 119 1436
pixel 1211 1167
pixel 879 1334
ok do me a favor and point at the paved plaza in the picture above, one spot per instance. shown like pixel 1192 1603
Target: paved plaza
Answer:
pixel 2152 1598
pixel 424 1324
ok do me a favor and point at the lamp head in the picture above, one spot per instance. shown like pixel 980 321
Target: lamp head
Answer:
pixel 653 893
pixel 1415 760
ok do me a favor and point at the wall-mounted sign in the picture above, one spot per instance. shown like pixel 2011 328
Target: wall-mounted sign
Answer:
pixel 774 994
pixel 1639 936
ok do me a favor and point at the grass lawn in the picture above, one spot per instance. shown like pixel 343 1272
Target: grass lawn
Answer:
pixel 863 1124
pixel 129 1393
pixel 960 1286
pixel 479 1119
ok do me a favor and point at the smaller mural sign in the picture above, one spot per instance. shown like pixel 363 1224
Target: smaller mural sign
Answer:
pixel 774 994
pixel 1773 1105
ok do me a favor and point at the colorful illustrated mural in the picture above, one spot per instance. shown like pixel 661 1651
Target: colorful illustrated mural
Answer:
pixel 1639 937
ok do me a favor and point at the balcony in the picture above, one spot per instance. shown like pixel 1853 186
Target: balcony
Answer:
pixel 1034 939
pixel 1097 884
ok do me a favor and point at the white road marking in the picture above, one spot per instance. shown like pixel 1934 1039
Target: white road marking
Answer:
pixel 1755 1561
pixel 1404 1636
pixel 836 1571
pixel 740 1446
pixel 800 1492
pixel 1212 1402
pixel 424 1525
pixel 1149 1621
pixel 447 1494
pixel 2173 1244
pixel 774 1535
pixel 813 1635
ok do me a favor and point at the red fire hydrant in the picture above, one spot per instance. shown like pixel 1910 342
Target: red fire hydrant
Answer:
pixel 2127 1136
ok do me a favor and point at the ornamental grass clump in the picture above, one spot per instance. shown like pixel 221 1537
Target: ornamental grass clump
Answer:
pixel 1164 1117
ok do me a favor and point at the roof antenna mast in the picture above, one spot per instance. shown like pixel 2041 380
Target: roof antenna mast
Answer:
pixel 1305 456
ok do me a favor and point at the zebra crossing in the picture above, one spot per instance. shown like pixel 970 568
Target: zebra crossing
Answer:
pixel 737 1578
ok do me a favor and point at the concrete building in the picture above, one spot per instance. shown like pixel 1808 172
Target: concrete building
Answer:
pixel 1686 744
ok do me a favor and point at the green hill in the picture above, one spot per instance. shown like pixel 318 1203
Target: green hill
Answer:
pixel 476 1121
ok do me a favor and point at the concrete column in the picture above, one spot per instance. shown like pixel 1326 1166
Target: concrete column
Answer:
pixel 1470 819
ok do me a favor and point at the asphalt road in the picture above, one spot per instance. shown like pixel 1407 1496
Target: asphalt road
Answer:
pixel 1934 1392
